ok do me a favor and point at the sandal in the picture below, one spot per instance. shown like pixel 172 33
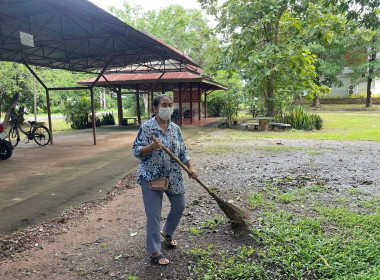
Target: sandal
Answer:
pixel 172 243
pixel 156 260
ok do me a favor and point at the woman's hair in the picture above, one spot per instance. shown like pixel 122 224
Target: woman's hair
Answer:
pixel 158 98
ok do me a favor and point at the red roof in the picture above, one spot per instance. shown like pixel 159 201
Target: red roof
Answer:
pixel 122 77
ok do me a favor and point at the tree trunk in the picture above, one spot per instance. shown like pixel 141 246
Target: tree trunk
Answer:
pixel 270 101
pixel 146 101
pixel 371 60
pixel 316 101
pixel 368 102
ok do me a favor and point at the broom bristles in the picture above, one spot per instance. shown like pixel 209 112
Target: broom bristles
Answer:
pixel 234 213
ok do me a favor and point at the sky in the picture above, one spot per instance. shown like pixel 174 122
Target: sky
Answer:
pixel 148 4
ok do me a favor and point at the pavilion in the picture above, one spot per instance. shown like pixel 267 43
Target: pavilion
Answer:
pixel 187 87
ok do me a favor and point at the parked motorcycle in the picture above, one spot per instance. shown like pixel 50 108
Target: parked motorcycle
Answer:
pixel 5 146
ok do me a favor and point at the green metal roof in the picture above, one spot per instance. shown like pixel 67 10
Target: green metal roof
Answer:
pixel 76 35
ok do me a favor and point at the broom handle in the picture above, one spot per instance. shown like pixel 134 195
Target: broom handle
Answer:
pixel 184 167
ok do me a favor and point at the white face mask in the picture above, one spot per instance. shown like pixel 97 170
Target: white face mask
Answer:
pixel 165 113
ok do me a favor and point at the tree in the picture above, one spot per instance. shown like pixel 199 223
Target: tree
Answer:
pixel 264 40
pixel 328 42
pixel 185 29
pixel 15 88
pixel 232 97
pixel 367 14
pixel 365 66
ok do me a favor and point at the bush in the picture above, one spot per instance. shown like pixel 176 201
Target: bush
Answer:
pixel 108 119
pixel 56 109
pixel 215 105
pixel 78 113
pixel 300 119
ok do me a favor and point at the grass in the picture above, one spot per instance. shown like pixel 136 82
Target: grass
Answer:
pixel 338 244
pixel 320 242
pixel 341 122
pixel 338 125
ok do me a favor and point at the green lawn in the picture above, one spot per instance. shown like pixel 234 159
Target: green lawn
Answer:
pixel 338 125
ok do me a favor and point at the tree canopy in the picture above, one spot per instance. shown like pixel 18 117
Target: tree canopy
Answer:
pixel 185 29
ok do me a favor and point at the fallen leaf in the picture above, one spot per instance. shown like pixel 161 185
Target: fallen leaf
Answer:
pixel 118 257
pixel 133 234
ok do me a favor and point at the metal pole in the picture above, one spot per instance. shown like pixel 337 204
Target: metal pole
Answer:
pixel 34 99
pixel 93 115
pixel 49 115
pixel 119 107
pixel 92 98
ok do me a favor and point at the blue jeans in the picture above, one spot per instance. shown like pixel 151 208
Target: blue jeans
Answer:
pixel 153 206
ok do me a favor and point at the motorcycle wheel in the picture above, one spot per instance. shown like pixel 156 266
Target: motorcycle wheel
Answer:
pixel 5 151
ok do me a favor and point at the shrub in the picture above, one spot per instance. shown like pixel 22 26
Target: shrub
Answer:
pixel 300 119
pixel 215 104
pixel 108 119
pixel 78 113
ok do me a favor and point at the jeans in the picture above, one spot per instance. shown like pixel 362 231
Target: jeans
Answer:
pixel 153 206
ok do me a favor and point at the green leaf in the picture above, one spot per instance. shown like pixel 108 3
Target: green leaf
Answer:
pixel 118 256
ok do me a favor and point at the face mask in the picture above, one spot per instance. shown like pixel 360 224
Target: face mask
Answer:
pixel 165 113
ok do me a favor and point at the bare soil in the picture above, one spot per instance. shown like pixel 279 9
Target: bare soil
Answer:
pixel 105 239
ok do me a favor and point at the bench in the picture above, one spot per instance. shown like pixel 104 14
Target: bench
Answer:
pixel 125 121
pixel 250 126
pixel 279 125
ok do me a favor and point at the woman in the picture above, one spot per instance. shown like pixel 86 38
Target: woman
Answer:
pixel 155 163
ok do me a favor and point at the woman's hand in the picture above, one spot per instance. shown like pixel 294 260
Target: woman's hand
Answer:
pixel 193 174
pixel 156 145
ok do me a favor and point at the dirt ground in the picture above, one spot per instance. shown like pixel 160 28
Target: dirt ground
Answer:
pixel 105 239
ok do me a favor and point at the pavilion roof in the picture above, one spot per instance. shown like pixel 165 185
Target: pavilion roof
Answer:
pixel 144 81
pixel 77 35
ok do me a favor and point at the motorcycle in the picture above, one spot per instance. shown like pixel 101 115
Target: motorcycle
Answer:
pixel 5 146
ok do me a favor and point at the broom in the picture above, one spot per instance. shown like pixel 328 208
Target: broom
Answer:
pixel 234 213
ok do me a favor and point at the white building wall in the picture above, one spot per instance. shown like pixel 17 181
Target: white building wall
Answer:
pixel 344 91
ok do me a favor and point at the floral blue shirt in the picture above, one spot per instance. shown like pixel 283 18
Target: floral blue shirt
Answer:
pixel 158 163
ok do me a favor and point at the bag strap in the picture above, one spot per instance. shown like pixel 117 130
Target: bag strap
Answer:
pixel 171 140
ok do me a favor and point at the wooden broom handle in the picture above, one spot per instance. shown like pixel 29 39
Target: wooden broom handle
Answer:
pixel 184 167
